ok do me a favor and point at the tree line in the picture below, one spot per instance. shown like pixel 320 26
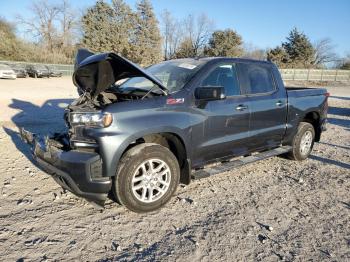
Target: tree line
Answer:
pixel 57 31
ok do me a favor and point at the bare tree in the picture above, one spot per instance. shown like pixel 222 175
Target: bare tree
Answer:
pixel 53 25
pixel 324 52
pixel 176 39
pixel 69 24
pixel 254 52
pixel 42 23
pixel 172 34
pixel 199 31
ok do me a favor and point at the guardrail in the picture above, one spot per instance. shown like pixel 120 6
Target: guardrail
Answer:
pixel 287 74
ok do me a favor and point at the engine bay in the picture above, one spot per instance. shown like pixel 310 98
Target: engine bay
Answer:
pixel 110 96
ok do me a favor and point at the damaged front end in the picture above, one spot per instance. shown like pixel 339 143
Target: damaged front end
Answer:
pixel 75 158
pixel 77 171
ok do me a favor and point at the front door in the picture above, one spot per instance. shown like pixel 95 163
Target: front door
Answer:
pixel 226 127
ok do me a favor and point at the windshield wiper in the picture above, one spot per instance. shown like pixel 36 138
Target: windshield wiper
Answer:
pixel 150 91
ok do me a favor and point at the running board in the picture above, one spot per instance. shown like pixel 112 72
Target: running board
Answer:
pixel 227 166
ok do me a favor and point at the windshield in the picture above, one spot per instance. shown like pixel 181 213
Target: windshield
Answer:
pixel 18 66
pixel 173 74
pixel 40 67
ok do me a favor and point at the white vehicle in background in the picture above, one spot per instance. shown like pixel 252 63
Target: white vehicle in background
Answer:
pixel 6 72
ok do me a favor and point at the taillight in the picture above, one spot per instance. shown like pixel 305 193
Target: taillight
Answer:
pixel 327 94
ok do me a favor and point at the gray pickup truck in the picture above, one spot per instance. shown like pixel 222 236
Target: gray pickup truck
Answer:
pixel 140 132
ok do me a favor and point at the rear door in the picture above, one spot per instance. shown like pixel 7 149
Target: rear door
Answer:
pixel 268 105
pixel 226 128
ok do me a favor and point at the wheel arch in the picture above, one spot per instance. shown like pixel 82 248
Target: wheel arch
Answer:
pixel 313 118
pixel 174 142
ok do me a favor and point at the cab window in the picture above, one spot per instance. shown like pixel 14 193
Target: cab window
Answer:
pixel 258 78
pixel 224 75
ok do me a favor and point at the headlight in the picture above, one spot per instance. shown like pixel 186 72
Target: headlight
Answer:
pixel 92 119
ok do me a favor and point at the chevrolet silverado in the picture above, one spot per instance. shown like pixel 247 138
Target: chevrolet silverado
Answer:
pixel 140 132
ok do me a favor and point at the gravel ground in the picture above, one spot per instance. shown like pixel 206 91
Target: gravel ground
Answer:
pixel 272 210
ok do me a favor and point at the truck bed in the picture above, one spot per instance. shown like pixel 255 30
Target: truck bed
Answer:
pixel 304 91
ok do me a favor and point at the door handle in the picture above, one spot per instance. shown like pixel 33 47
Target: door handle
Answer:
pixel 241 107
pixel 279 103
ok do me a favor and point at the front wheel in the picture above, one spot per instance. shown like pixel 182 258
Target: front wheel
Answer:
pixel 147 177
pixel 303 142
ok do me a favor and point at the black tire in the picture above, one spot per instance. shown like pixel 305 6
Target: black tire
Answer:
pixel 129 164
pixel 296 152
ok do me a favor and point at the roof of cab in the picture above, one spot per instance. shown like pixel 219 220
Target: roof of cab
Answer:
pixel 236 59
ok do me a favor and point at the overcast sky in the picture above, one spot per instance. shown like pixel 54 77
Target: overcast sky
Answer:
pixel 264 23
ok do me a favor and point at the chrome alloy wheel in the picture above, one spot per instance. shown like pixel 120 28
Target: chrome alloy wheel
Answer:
pixel 151 180
pixel 306 143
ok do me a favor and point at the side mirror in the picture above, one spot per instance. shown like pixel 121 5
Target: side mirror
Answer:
pixel 210 93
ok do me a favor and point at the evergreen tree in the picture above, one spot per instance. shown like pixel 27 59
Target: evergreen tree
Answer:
pixel 11 48
pixel 299 49
pixel 185 49
pixel 296 52
pixel 345 64
pixel 224 43
pixel 9 43
pixel 278 56
pixel 124 21
pixel 147 41
pixel 99 28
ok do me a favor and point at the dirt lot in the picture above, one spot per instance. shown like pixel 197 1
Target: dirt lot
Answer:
pixel 302 209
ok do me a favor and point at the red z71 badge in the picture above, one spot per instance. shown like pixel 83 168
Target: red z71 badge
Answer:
pixel 175 101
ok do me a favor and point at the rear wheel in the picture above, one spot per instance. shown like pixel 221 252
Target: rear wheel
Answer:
pixel 147 177
pixel 303 142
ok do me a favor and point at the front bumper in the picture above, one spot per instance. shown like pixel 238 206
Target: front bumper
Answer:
pixel 77 171
pixel 8 76
pixel 43 74
pixel 55 74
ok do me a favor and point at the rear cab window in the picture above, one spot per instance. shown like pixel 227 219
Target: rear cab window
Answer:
pixel 257 78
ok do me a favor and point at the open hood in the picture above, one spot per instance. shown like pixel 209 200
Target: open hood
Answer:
pixel 94 73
